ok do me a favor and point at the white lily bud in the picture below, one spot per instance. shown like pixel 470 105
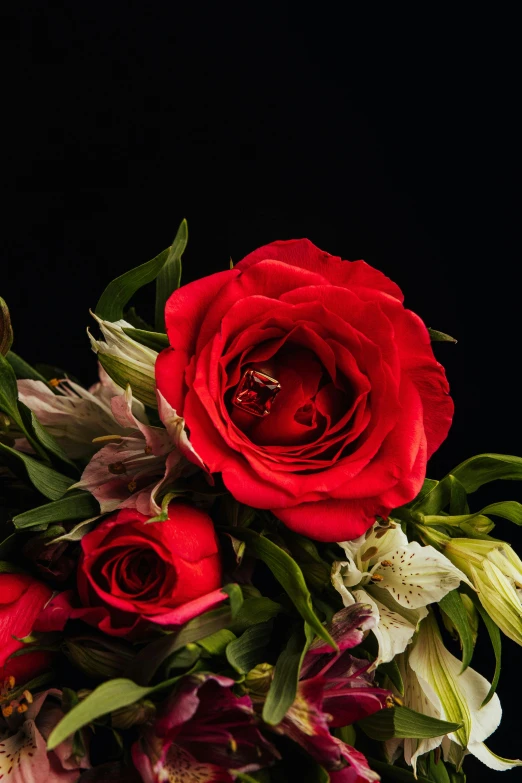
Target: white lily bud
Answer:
pixel 126 361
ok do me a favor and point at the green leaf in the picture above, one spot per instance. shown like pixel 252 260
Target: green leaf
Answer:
pixel 235 596
pixel 155 340
pixel 77 505
pixel 253 611
pixel 283 688
pixel 6 329
pixel 452 605
pixel 392 671
pixel 46 480
pixel 479 470
pixel 106 698
pixel 122 373
pixel 9 568
pixel 217 643
pixel 404 723
pixel 50 444
pixel 288 574
pixel 150 658
pixel 24 370
pixel 169 278
pixel 440 337
pixel 436 770
pixel 392 773
pixel 119 291
pixel 244 653
pixel 496 642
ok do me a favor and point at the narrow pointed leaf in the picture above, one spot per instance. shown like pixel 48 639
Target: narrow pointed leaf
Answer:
pixel 77 505
pixel 452 605
pixel 496 642
pixel 288 574
pixel 24 370
pixel 119 291
pixel 106 698
pixel 283 688
pixel 169 278
pixel 404 723
pixel 155 340
pixel 392 671
pixel 46 480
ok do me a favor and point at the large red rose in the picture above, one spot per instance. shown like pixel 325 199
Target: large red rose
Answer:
pixel 133 573
pixel 363 402
pixel 22 600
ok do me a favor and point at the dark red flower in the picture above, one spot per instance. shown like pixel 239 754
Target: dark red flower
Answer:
pixel 133 573
pixel 335 690
pixel 22 600
pixel 363 402
pixel 203 733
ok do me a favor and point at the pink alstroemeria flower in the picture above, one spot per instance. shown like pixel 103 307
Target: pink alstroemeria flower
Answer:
pixel 336 690
pixel 23 745
pixel 132 469
pixel 203 733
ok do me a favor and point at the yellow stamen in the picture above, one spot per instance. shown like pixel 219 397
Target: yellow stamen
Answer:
pixel 147 450
pixel 7 711
pixel 377 578
pixel 22 708
pixel 386 563
pixel 54 382
pixel 131 486
pixel 28 696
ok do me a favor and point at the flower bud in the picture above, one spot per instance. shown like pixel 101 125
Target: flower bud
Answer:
pixel 133 715
pixel 126 361
pixel 6 330
pixel 258 680
pixel 98 658
pixel 496 572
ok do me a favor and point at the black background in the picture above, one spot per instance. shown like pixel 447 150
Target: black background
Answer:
pixel 393 139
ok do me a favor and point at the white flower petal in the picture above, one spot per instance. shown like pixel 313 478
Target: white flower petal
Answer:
pixel 418 575
pixel 374 545
pixel 393 631
pixel 416 698
pixel 337 577
pixel 491 759
pixel 460 694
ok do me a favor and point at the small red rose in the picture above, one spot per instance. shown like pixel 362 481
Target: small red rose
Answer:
pixel 22 600
pixel 133 573
pixel 362 402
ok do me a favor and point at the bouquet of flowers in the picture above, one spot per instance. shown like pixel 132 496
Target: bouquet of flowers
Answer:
pixel 224 560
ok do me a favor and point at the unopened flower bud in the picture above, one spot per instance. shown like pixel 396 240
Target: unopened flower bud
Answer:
pixel 133 715
pixel 258 680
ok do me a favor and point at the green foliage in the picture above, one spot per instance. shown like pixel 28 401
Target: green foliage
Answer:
pixel 402 722
pixel 155 340
pixel 288 574
pixel 46 480
pixel 283 688
pixel 245 652
pixel 452 605
pixel 77 505
pixel 169 277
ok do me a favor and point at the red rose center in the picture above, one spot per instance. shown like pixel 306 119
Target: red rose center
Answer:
pixel 256 393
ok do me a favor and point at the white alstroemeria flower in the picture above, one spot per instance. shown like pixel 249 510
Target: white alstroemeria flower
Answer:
pixel 398 579
pixel 75 416
pixel 126 361
pixel 436 685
